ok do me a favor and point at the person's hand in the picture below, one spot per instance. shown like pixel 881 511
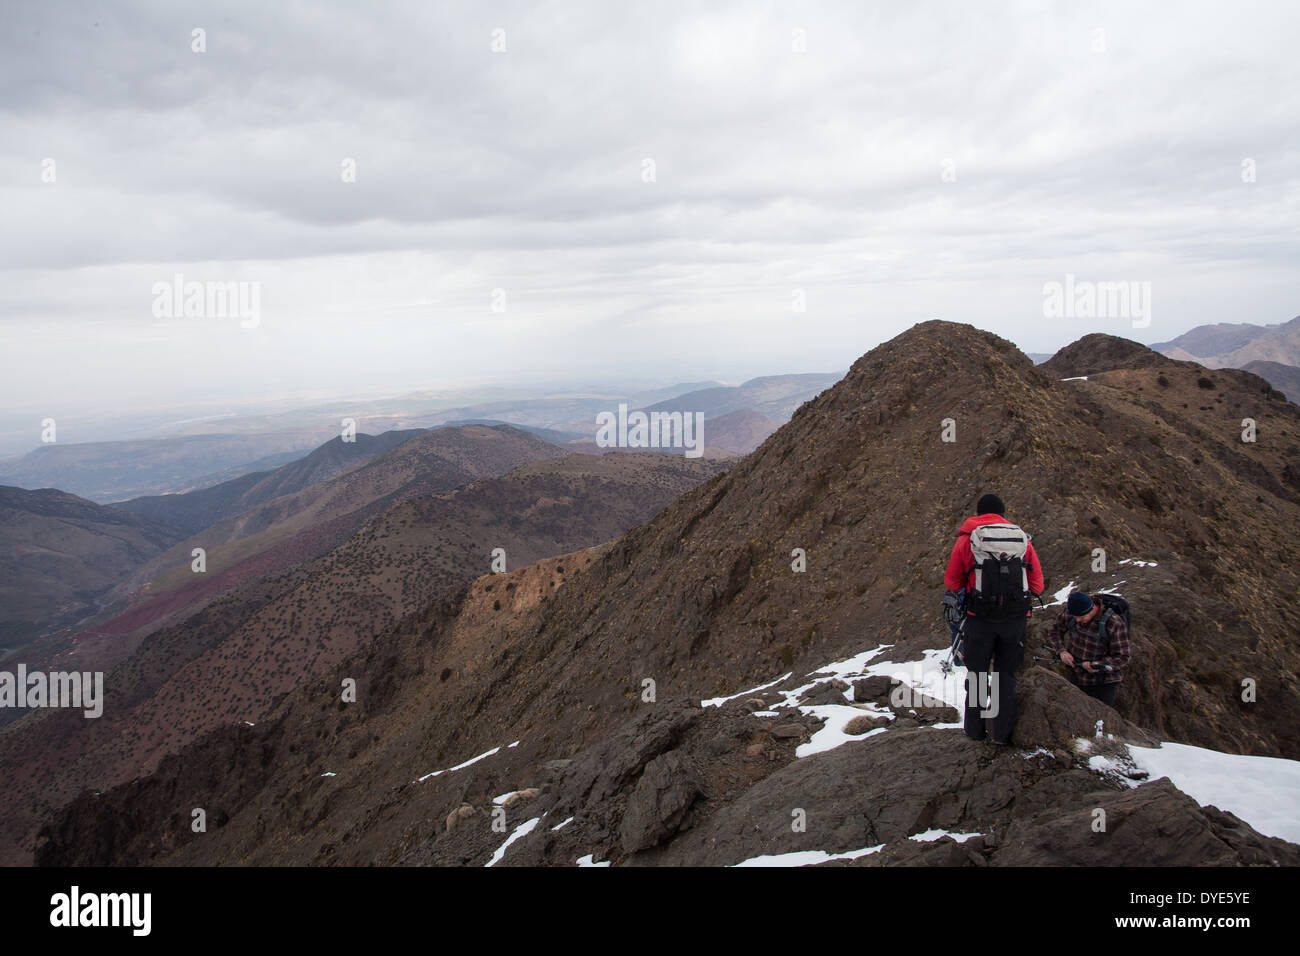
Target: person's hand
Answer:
pixel 1089 666
pixel 1067 658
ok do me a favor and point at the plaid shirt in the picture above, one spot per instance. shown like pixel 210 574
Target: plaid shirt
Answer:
pixel 1083 645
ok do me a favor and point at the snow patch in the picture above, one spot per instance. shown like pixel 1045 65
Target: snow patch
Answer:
pixel 929 836
pixel 587 861
pixel 719 701
pixel 1263 791
pixel 832 734
pixel 807 857
pixel 471 760
pixel 1061 596
pixel 520 832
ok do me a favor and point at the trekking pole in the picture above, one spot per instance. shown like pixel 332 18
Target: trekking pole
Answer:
pixel 946 665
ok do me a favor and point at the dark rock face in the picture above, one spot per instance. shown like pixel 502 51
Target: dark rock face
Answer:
pixel 1155 825
pixel 667 787
pixel 595 776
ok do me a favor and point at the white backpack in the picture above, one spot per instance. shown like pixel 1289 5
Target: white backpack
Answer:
pixel 1001 572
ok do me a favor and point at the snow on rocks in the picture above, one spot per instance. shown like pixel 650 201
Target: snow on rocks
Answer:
pixel 807 857
pixel 1061 596
pixel 833 732
pixel 471 760
pixel 920 684
pixel 719 701
pixel 1263 791
pixel 587 861
pixel 929 836
pixel 519 833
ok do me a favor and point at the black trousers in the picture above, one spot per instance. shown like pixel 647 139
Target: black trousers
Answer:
pixel 1102 692
pixel 999 647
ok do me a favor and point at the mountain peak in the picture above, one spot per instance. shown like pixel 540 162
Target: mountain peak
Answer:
pixel 1100 352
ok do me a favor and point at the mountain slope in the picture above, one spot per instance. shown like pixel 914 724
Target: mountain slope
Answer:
pixel 195 510
pixel 59 554
pixel 703 602
pixel 230 661
pixel 276 534
pixel 740 431
pixel 1284 378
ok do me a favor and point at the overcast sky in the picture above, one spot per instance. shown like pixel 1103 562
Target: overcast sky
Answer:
pixel 895 162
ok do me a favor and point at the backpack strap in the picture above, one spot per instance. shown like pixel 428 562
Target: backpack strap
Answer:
pixel 1103 634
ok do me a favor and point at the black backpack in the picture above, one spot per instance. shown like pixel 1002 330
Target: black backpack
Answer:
pixel 1001 590
pixel 1110 604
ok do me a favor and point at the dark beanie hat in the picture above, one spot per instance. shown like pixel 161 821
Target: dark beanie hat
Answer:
pixel 990 505
pixel 1079 604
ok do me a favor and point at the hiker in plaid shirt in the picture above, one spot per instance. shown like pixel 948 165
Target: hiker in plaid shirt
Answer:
pixel 1094 668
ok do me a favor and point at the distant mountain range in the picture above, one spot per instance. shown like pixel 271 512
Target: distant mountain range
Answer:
pixel 1237 345
pixel 115 470
pixel 200 454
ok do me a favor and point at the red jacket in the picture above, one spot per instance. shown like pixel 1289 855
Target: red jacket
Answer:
pixel 961 565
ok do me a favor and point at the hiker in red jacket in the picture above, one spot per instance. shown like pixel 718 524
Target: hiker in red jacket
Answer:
pixel 994 561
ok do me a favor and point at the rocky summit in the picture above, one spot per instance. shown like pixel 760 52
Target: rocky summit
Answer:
pixel 752 676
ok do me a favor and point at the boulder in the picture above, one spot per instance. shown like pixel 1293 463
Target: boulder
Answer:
pixel 605 769
pixel 667 788
pixel 875 688
pixel 1051 712
pixel 827 692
